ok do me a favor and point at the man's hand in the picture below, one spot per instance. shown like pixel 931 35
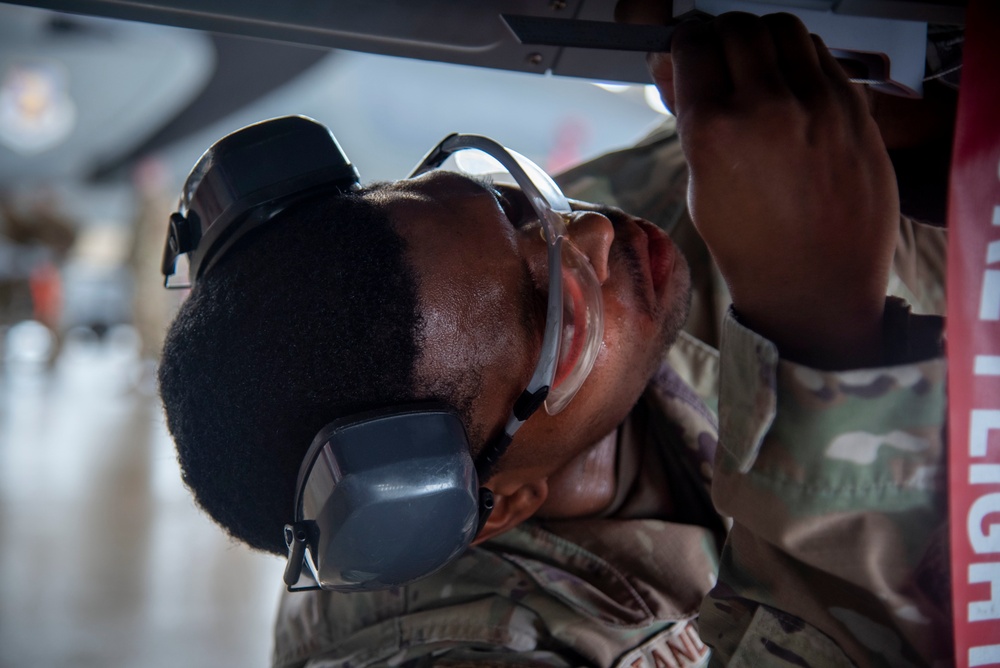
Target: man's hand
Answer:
pixel 791 186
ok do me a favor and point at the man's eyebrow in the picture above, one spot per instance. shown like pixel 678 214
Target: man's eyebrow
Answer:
pixel 484 181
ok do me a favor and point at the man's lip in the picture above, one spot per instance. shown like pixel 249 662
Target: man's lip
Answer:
pixel 659 253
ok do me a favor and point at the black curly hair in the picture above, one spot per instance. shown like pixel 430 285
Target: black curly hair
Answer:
pixel 313 317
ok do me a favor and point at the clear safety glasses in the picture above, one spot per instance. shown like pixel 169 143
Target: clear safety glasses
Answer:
pixel 574 320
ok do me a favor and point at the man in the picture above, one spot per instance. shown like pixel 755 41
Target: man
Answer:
pixel 602 544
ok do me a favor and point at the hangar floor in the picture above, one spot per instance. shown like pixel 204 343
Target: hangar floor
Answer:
pixel 104 559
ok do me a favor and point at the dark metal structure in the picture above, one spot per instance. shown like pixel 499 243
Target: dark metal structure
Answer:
pixel 469 33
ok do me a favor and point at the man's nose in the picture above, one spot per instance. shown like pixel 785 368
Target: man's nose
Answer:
pixel 592 233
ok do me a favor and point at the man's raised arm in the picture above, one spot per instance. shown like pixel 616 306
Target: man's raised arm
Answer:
pixel 832 404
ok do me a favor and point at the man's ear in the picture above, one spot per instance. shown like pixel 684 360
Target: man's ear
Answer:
pixel 512 504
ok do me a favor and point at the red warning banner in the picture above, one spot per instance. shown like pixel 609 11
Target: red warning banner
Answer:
pixel 973 338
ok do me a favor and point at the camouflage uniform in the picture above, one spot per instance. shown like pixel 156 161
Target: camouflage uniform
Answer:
pixel 834 485
pixel 831 483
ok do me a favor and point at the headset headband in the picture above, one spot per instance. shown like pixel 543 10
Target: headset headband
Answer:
pixel 244 180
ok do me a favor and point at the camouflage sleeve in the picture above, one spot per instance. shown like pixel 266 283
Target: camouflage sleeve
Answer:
pixel 835 482
pixel 919 267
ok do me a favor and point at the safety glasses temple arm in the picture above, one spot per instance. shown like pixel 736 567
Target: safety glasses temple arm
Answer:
pixel 524 407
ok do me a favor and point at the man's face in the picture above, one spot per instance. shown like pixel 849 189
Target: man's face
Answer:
pixel 483 277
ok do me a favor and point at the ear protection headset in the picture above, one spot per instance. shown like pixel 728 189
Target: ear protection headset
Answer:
pixel 382 498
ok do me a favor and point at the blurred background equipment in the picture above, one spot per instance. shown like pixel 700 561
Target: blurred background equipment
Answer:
pixel 469 33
